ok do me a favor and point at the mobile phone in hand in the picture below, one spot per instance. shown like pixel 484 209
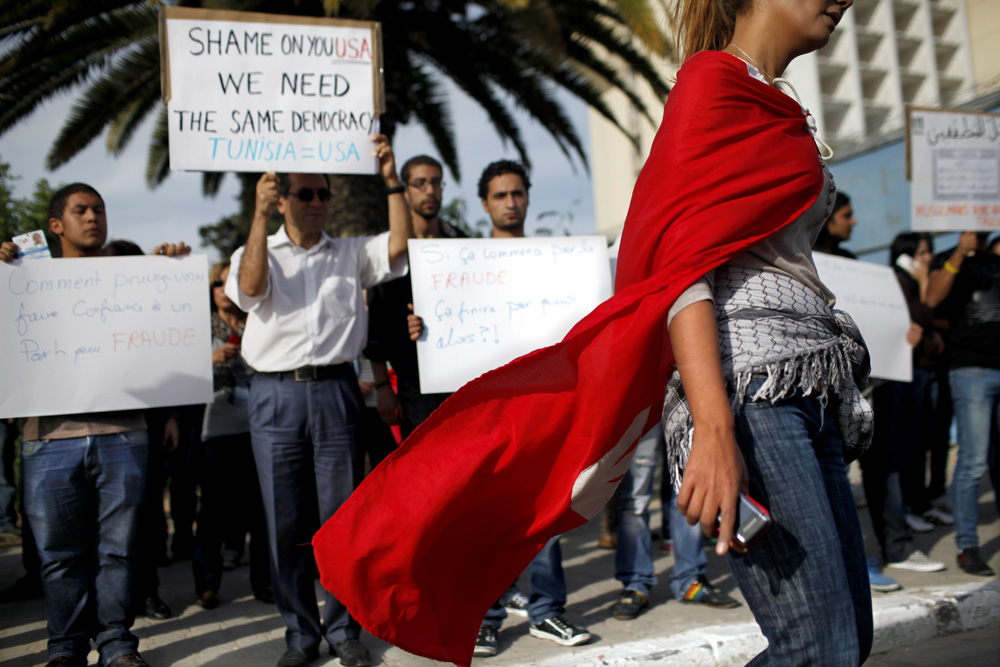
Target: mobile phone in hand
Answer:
pixel 752 522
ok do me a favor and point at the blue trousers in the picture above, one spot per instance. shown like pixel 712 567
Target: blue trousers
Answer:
pixel 806 581
pixel 548 588
pixel 82 497
pixel 633 555
pixel 976 395
pixel 304 438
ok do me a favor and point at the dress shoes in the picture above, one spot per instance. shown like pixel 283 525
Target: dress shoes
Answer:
pixel 297 657
pixel 352 653
pixel 157 608
pixel 208 600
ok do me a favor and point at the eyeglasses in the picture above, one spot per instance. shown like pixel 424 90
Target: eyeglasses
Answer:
pixel 305 195
pixel 218 282
pixel 421 183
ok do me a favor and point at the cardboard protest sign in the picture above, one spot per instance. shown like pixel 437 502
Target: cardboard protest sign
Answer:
pixel 107 333
pixel 261 92
pixel 485 302
pixel 953 161
pixel 871 295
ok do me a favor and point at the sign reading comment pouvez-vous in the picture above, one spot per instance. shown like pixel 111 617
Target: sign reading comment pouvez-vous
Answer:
pixel 100 334
pixel 485 302
pixel 261 92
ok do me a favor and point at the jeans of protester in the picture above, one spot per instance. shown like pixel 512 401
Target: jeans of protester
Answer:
pixel 806 581
pixel 548 588
pixel 304 438
pixel 975 393
pixel 690 560
pixel 82 497
pixel 633 554
pixel 8 492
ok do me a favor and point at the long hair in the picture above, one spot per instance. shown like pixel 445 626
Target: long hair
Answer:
pixel 706 25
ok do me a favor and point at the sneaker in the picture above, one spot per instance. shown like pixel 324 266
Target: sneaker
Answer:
pixel 607 542
pixel 970 561
pixel 918 561
pixel 702 592
pixel 515 603
pixel 667 545
pixel 559 631
pixel 918 525
pixel 878 581
pixel 630 604
pixel 486 642
pixel 938 517
pixel 943 503
pixel 130 660
pixel 154 607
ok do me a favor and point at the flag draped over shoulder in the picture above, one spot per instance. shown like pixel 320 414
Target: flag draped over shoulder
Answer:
pixel 439 530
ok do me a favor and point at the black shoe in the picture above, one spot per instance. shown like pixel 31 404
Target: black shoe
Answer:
pixel 65 661
pixel 486 642
pixel 970 561
pixel 28 587
pixel 265 595
pixel 702 592
pixel 130 660
pixel 630 604
pixel 558 630
pixel 352 653
pixel 297 657
pixel 157 608
pixel 208 600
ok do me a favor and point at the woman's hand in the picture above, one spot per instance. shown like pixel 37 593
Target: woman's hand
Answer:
pixel 713 478
pixel 224 353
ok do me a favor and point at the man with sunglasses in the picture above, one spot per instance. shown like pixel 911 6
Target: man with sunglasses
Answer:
pixel 306 323
pixel 390 304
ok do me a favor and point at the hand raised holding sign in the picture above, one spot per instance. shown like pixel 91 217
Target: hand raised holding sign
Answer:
pixel 172 249
pixel 386 160
pixel 267 195
pixel 8 252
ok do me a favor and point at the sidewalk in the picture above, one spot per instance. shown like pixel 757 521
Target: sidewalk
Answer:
pixel 243 631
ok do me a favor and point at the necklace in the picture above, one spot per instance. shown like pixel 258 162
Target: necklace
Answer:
pixel 754 63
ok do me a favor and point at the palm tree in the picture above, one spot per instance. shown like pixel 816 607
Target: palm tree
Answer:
pixel 521 50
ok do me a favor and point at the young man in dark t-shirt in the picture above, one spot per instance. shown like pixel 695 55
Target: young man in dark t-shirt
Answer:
pixel 965 286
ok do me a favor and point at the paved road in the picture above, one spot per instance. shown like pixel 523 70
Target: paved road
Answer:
pixel 243 631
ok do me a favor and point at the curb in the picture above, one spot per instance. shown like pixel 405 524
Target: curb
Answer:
pixel 900 620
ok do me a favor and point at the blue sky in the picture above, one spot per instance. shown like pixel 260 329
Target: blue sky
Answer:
pixel 174 210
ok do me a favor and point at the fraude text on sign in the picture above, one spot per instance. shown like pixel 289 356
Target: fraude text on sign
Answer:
pixel 260 92
pixel 104 333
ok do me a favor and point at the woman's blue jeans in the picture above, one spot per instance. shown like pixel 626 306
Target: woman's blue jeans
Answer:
pixel 806 581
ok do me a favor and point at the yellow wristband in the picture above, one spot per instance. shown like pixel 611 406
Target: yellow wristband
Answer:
pixel 949 268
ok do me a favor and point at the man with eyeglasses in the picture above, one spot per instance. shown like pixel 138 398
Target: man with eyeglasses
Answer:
pixel 306 323
pixel 390 304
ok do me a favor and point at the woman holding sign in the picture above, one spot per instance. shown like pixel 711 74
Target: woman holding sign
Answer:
pixel 764 399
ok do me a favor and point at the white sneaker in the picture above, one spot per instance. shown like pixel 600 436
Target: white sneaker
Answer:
pixel 918 561
pixel 939 517
pixel 918 525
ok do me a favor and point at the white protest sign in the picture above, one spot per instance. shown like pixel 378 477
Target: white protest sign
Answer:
pixel 954 165
pixel 485 302
pixel 870 294
pixel 107 333
pixel 261 92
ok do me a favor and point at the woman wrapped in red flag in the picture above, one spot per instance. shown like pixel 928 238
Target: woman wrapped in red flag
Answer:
pixel 717 241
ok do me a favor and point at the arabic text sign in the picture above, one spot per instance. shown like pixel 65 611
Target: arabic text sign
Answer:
pixel 256 92
pixel 955 168
pixel 870 294
pixel 485 302
pixel 99 334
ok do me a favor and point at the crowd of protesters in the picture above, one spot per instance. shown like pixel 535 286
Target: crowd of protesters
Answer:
pixel 311 375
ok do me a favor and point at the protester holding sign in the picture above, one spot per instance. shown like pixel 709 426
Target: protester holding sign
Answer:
pixel 84 477
pixel 306 324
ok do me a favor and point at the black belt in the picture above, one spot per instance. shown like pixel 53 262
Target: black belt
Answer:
pixel 307 373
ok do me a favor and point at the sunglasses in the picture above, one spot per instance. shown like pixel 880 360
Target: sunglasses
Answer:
pixel 218 282
pixel 305 195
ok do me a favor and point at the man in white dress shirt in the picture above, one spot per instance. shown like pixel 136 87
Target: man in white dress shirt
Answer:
pixel 306 323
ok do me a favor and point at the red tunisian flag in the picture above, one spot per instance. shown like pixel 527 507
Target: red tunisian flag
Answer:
pixel 439 530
